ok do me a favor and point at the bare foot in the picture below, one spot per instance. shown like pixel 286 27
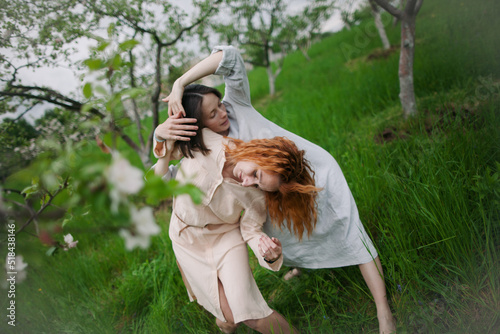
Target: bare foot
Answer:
pixel 292 273
pixel 386 324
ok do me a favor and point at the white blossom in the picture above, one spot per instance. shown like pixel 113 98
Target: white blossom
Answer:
pixel 133 241
pixel 143 227
pixel 126 178
pixel 70 243
pixel 144 221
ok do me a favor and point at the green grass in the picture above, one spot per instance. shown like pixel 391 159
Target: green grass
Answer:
pixel 429 198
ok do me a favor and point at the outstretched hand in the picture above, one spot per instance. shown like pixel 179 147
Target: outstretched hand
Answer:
pixel 270 248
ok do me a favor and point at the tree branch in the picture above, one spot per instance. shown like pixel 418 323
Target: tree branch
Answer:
pixel 390 8
pixel 45 205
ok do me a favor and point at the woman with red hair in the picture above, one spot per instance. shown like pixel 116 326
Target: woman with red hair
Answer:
pixel 209 239
pixel 339 238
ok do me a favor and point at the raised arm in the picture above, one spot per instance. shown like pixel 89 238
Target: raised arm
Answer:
pixel 232 68
pixel 202 69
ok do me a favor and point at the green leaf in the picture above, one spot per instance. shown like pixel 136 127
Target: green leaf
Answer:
pixel 66 221
pixel 117 61
pixel 93 64
pixel 51 251
pixel 190 189
pixel 111 29
pixel 28 191
pixel 102 46
pixel 101 90
pixel 87 90
pixel 128 45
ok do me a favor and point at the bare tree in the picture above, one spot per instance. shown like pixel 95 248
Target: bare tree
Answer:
pixel 407 16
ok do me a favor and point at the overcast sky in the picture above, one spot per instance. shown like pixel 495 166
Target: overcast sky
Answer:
pixel 64 80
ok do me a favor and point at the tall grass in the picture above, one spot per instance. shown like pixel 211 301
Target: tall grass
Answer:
pixel 429 198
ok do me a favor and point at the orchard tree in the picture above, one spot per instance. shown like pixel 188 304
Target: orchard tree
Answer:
pixel 37 33
pixel 77 180
pixel 259 27
pixel 306 26
pixel 407 15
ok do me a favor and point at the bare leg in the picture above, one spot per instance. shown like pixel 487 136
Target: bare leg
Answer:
pixel 229 326
pixel 374 278
pixel 273 324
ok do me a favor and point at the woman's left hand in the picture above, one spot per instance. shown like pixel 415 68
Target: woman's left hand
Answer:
pixel 270 248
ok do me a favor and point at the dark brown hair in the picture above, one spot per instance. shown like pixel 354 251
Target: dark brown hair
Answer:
pixel 191 102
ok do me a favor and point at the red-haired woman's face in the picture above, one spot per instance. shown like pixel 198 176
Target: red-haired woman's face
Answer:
pixel 214 114
pixel 249 174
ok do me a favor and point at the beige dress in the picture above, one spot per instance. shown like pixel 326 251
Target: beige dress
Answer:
pixel 210 239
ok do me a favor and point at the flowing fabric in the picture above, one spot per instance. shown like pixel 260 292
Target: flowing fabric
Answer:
pixel 339 238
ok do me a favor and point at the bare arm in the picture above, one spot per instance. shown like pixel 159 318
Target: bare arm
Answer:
pixel 204 68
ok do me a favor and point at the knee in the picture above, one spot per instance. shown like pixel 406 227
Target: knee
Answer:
pixel 226 327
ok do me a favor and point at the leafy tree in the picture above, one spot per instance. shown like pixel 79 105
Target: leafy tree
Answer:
pixel 72 178
pixel 306 26
pixel 14 134
pixel 350 14
pixel 259 27
pixel 39 33
pixel 407 16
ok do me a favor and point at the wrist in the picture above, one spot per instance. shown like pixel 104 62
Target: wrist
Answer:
pixel 156 138
pixel 181 82
pixel 272 261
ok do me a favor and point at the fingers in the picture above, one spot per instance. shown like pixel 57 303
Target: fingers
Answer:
pixel 276 241
pixel 269 248
pixel 177 128
pixel 175 107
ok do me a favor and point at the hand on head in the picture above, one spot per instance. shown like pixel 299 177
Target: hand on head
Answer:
pixel 177 128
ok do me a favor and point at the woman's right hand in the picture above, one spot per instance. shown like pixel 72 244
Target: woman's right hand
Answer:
pixel 174 100
pixel 176 128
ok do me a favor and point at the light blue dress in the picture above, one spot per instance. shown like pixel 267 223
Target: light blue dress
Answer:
pixel 339 238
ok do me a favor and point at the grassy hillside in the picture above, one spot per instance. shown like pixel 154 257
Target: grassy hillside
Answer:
pixel 427 190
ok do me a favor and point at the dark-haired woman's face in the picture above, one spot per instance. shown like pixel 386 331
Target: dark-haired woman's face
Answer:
pixel 214 114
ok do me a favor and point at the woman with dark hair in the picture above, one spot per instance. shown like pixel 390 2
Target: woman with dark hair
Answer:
pixel 339 238
pixel 209 239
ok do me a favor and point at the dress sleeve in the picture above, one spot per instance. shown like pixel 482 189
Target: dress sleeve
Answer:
pixel 251 224
pixel 159 151
pixel 232 68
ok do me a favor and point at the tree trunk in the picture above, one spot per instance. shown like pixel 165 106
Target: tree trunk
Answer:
pixel 272 80
pixel 408 17
pixel 377 15
pixel 304 52
pixel 406 89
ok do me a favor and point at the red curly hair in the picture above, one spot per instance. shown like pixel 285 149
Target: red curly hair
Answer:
pixel 295 200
